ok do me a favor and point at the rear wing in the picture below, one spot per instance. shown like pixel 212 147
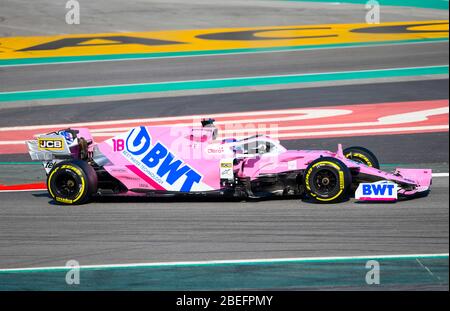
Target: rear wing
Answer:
pixel 63 144
pixel 72 143
pixel 48 147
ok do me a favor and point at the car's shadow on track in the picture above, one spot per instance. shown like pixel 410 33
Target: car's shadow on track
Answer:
pixel 190 199
pixel 41 195
pixel 211 199
pixel 175 199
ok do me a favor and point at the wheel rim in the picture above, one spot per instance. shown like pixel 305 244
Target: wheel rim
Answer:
pixel 325 182
pixel 67 184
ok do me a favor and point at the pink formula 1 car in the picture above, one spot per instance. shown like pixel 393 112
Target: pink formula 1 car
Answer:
pixel 174 161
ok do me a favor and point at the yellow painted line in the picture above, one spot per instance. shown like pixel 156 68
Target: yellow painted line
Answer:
pixel 217 39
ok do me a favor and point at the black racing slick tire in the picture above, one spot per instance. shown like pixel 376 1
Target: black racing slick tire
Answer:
pixel 362 155
pixel 72 182
pixel 327 180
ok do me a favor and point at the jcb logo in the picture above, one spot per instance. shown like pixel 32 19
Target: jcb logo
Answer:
pixel 51 144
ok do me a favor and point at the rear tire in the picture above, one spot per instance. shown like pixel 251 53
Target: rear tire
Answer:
pixel 72 182
pixel 362 155
pixel 327 180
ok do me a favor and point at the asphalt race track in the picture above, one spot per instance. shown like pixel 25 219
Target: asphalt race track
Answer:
pixel 214 67
pixel 163 230
pixel 34 232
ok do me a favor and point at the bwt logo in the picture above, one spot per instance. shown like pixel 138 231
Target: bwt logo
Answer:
pixel 378 189
pixel 159 158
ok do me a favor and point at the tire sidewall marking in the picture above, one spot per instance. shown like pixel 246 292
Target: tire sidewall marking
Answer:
pixel 78 172
pixel 341 179
pixel 360 156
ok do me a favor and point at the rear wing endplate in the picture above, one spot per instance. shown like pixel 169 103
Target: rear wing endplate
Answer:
pixel 48 147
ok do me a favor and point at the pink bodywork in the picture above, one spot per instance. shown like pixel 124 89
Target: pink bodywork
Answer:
pixel 199 154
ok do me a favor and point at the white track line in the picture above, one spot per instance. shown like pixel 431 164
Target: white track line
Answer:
pixel 304 113
pixel 190 118
pixel 231 262
pixel 22 190
pixel 439 174
pixel 413 129
pixel 401 118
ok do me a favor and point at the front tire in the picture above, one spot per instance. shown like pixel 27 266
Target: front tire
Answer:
pixel 327 180
pixel 72 182
pixel 362 155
